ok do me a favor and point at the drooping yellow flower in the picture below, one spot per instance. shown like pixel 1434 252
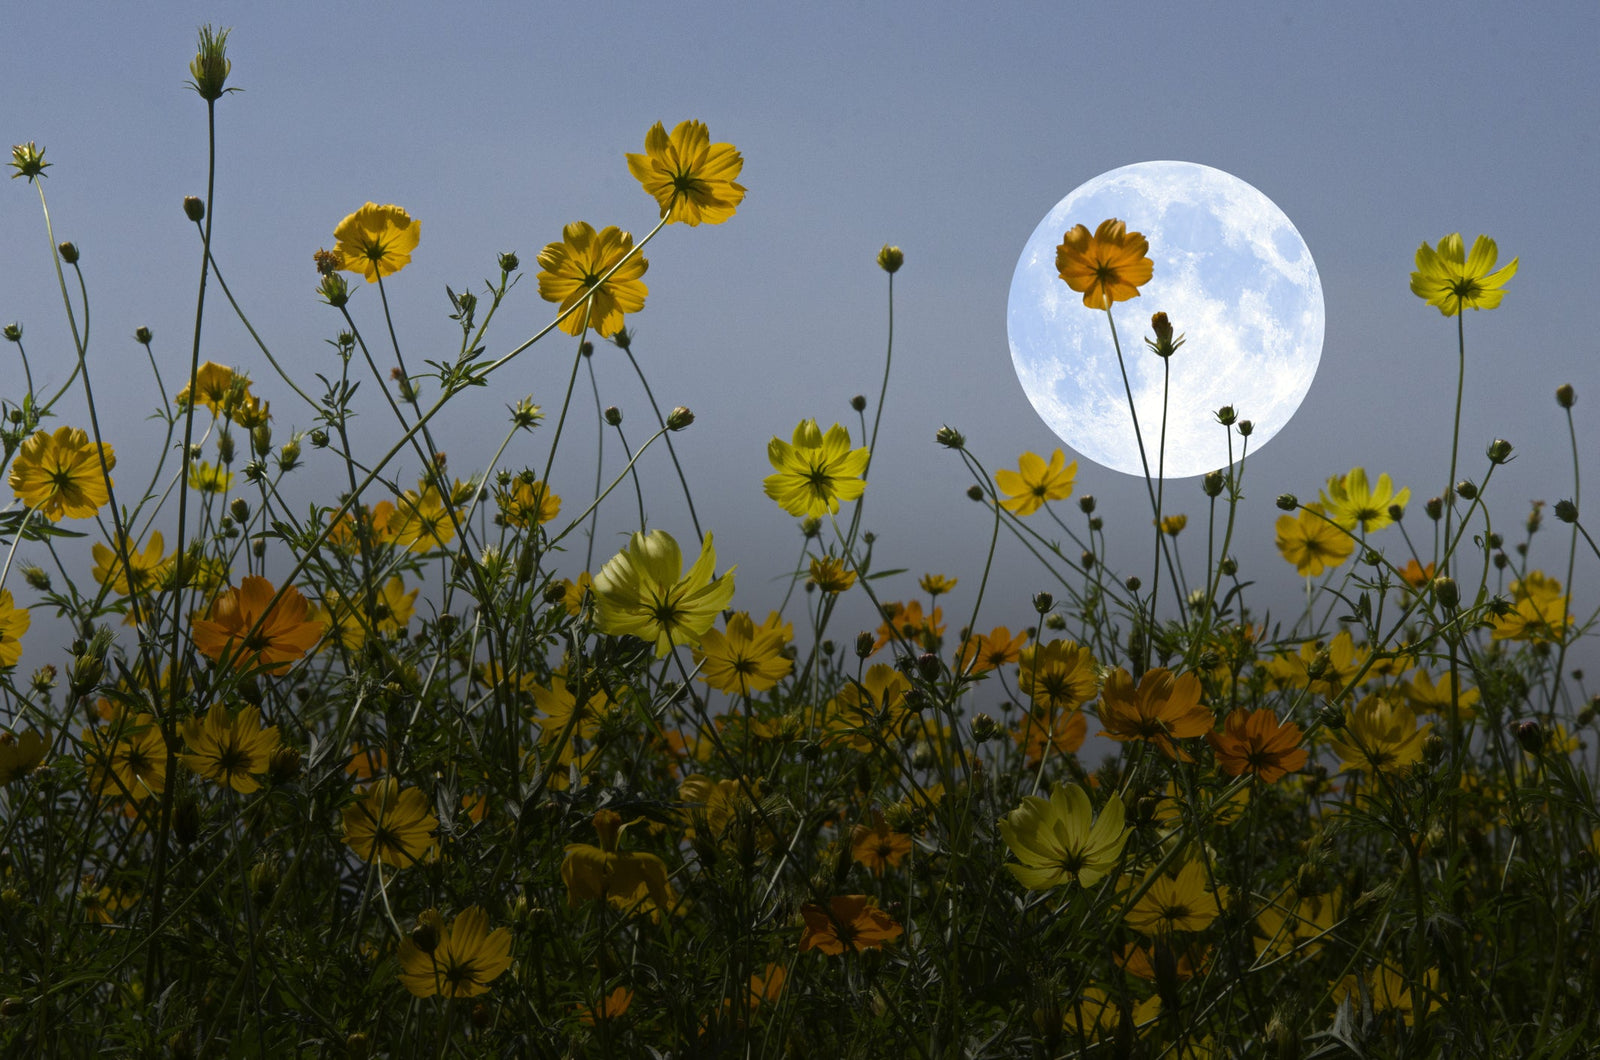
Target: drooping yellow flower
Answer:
pixel 632 881
pixel 744 659
pixel 1109 266
pixel 572 268
pixel 830 575
pixel 1035 482
pixel 231 751
pixel 20 755
pixel 1379 737
pixel 640 592
pixel 1163 708
pixel 245 627
pixel 466 956
pixel 376 241
pixel 815 471
pixel 14 622
pixel 1295 924
pixel 391 824
pixel 527 504
pixel 1176 903
pixel 1350 501
pixel 1446 277
pixel 1172 525
pixel 1059 840
pixel 220 389
pixel 1310 542
pixel 60 474
pixel 147 568
pixel 688 174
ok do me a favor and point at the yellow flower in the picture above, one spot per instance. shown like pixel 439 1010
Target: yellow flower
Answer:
pixel 936 584
pixel 712 808
pixel 1434 697
pixel 1312 543
pixel 231 751
pixel 1451 280
pixel 1350 501
pixel 1176 903
pixel 209 478
pixel 14 622
pixel 60 474
pixel 376 241
pixel 1379 737
pixel 611 1006
pixel 421 520
pixel 146 569
pixel 744 659
pixel 980 654
pixel 1059 841
pixel 221 389
pixel 19 755
pixel 390 824
pixel 571 269
pixel 1172 525
pixel 873 705
pixel 1291 924
pixel 1343 661
pixel 639 592
pixel 830 574
pixel 1387 989
pixel 815 471
pixel 688 174
pixel 1109 266
pixel 879 847
pixel 1539 611
pixel 1035 482
pixel 1057 676
pixel 127 759
pixel 466 956
pixel 528 504
pixel 631 881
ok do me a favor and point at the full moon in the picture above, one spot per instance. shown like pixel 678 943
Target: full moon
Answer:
pixel 1231 273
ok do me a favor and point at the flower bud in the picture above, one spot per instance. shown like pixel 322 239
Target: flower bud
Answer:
pixel 1499 451
pixel 1530 734
pixel 586 349
pixel 859 403
pixel 425 936
pixel 357 1046
pixel 1086 504
pixel 36 577
pixel 1396 512
pixel 28 161
pixel 1331 717
pixel 210 66
pixel 975 492
pixel 1288 502
pixel 194 208
pixel 69 252
pixel 622 339
pixel 1229 566
pixel 890 259
pixel 1133 583
pixel 1501 561
pixel 613 416
pixel 679 418
pixel 1319 664
pixel 864 644
pixel 1095 523
pixel 1447 592
pixel 319 438
pixel 1226 416
pixel 1163 345
pixel 240 509
pixel 949 437
pixel 1566 511
pixel 1566 397
pixel 1212 483
pixel 13 332
pixel 984 728
pixel 1435 508
pixel 1043 602
pixel 225 448
pixel 810 526
pixel 1466 490
pixel 1086 561
pixel 1246 428
pixel 334 290
pixel 509 262
pixel 289 455
pixel 261 439
pixel 928 666
pixel 1056 621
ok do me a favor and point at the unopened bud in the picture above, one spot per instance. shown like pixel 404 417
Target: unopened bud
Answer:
pixel 1566 397
pixel 928 666
pixel 984 728
pixel 622 339
pixel 679 418
pixel 613 416
pixel 1086 504
pixel 1086 561
pixel 975 492
pixel 1566 511
pixel 509 262
pixel 1396 512
pixel 890 259
pixel 142 336
pixel 425 936
pixel 1499 451
pixel 69 252
pixel 1435 508
pixel 810 526
pixel 949 437
pixel 194 208
pixel 1319 665
pixel 1246 428
pixel 864 644
pixel 1288 502
pixel 1226 416
pixel 1163 345
pixel 1043 602
pixel 1466 490
pixel 1447 592
pixel 36 577
pixel 1212 483
pixel 240 509
pixel 1331 717
pixel 1229 566
pixel 319 438
pixel 1530 734
pixel 859 403
pixel 1133 583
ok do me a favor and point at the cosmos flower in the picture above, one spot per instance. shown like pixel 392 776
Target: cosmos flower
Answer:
pixel 209 478
pixel 1057 732
pixel 1388 989
pixel 528 504
pixel 640 592
pixel 376 241
pixel 146 568
pixel 1163 708
pixel 1451 280
pixel 1175 903
pixel 632 881
pixel 995 649
pixel 219 387
pixel 611 1006
pixel 1258 744
pixel 60 474
pixel 815 471
pixel 830 575
pixel 1538 612
pixel 744 659
pixel 848 922
pixel 1350 501
pixel 390 824
pixel 1310 542
pixel 1109 266
pixel 1057 676
pixel 1035 482
pixel 688 174
pixel 421 518
pixel 231 751
pixel 878 847
pixel 20 755
pixel 1379 737
pixel 245 627
pixel 873 706
pixel 127 759
pixel 1059 840
pixel 464 959
pixel 14 622
pixel 572 268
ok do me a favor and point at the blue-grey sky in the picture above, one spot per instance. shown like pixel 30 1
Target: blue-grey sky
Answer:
pixel 949 129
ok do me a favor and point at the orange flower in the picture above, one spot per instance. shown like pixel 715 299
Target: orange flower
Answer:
pixel 247 629
pixel 982 654
pixel 1161 709
pixel 909 621
pixel 1109 266
pixel 851 922
pixel 1062 731
pixel 611 1006
pixel 879 847
pixel 1415 574
pixel 1257 743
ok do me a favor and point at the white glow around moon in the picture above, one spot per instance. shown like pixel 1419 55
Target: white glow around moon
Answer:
pixel 1232 274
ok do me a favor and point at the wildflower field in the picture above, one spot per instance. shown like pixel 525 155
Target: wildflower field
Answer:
pixel 380 770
